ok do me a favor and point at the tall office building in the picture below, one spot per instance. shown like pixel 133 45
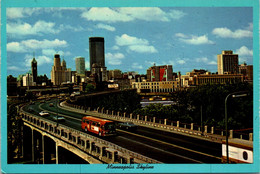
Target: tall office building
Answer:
pixel 34 70
pixel 96 51
pixel 59 72
pixel 227 63
pixel 160 73
pixel 80 65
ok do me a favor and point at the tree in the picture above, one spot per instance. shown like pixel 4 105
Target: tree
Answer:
pixel 89 88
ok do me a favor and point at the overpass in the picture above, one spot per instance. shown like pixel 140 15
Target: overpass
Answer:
pixel 91 149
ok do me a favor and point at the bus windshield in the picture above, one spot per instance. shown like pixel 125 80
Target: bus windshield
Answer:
pixel 110 126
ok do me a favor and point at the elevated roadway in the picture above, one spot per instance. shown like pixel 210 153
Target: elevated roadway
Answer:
pixel 167 147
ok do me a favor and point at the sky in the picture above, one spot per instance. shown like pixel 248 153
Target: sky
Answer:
pixel 136 38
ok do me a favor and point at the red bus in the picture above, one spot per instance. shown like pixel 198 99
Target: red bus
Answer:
pixel 98 126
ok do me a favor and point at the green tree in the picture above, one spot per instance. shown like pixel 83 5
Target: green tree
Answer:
pixel 89 88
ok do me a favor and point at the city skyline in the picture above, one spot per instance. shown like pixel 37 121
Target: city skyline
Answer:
pixel 135 38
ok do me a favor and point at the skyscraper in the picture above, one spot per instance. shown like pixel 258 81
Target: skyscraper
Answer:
pixel 227 63
pixel 59 72
pixel 34 70
pixel 80 65
pixel 96 51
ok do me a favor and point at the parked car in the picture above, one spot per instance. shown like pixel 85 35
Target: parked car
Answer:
pixel 51 105
pixel 44 113
pixel 58 118
pixel 127 126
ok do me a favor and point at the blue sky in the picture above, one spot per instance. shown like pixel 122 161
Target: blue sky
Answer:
pixel 135 38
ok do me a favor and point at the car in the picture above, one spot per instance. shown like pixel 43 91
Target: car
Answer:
pixel 42 101
pixel 127 125
pixel 51 105
pixel 44 113
pixel 58 118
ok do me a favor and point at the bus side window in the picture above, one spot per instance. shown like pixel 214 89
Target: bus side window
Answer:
pixel 98 124
pixel 94 124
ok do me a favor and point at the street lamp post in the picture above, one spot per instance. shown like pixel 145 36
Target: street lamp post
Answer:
pixel 233 95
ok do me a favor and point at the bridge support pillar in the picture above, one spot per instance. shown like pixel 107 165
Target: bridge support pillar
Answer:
pixel 124 114
pixel 131 116
pixel 32 147
pixel 102 150
pixel 118 114
pixel 112 113
pixel 145 118
pixel 153 119
pixel 178 123
pixel 130 160
pixel 107 112
pixel 191 126
pixel 57 153
pixel 138 116
pixel 43 162
pixel 114 156
pixel 165 121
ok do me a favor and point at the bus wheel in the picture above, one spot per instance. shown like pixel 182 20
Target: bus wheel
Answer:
pixel 86 129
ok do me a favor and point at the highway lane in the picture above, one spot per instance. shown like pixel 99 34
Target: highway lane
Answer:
pixel 163 146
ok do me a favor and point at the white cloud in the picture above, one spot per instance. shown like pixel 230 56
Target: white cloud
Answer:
pixel 41 60
pixel 237 34
pixel 142 49
pixel 194 40
pixel 181 62
pixel 126 40
pixel 201 59
pixel 205 60
pixel 16 47
pixel 105 14
pixel 212 63
pixel 14 68
pixel 14 13
pixel 244 51
pixel 36 44
pixel 137 66
pixel 115 47
pixel 40 27
pixel 176 14
pixel 135 44
pixel 180 35
pixel 51 52
pixel 72 28
pixel 106 27
pixel 29 45
pixel 145 13
pixel 114 59
pixel 126 14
